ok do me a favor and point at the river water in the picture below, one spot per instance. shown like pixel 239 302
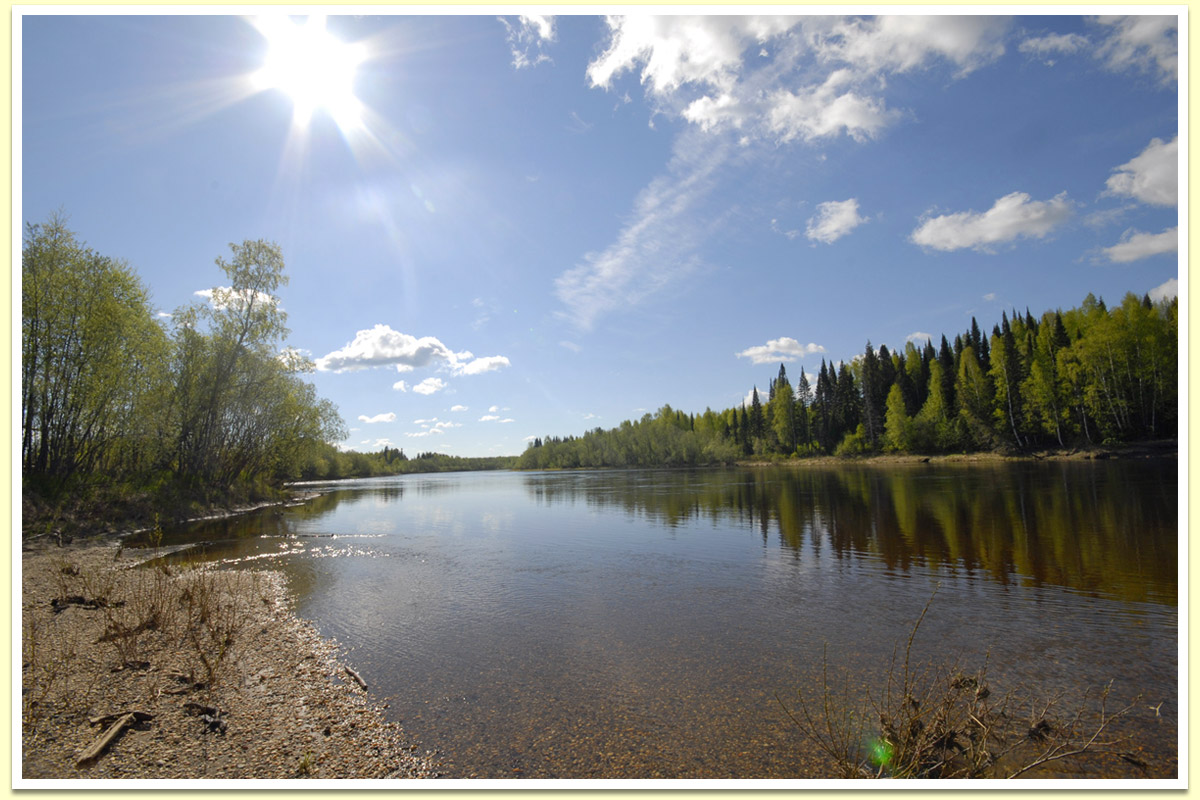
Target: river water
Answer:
pixel 657 623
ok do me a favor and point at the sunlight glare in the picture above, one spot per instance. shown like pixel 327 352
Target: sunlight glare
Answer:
pixel 314 68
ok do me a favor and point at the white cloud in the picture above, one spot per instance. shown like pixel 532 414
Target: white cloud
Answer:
pixel 493 409
pixel 458 408
pixel 387 417
pixel 990 297
pixel 489 418
pixel 526 38
pixel 1165 291
pixel 1013 216
pixel 422 434
pixel 906 42
pixel 1144 42
pixel 820 111
pixel 782 349
pixel 1135 245
pixel 479 365
pixel 674 50
pixel 834 220
pixel 1052 44
pixel 507 419
pixel 221 297
pixel 429 386
pixel 381 346
pixel 656 248
pixel 572 346
pixel 918 337
pixel 1151 177
pixel 400 386
pixel 820 78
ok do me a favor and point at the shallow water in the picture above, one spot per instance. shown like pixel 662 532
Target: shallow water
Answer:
pixel 637 624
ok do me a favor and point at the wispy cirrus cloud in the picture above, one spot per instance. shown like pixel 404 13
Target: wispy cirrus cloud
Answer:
pixel 653 250
pixel 1012 217
pixel 744 83
pixel 527 37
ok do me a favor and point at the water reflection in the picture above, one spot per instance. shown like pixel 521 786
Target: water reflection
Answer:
pixel 1096 528
pixel 642 624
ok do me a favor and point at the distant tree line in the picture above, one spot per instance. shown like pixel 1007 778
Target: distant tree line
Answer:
pixel 211 402
pixel 329 463
pixel 1090 375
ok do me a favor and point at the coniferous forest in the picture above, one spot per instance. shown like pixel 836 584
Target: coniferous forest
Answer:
pixel 1092 375
pixel 213 407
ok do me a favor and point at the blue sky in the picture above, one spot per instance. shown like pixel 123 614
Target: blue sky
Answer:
pixel 504 227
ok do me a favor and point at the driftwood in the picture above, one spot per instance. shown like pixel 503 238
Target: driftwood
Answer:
pixel 110 735
pixel 357 678
pixel 108 719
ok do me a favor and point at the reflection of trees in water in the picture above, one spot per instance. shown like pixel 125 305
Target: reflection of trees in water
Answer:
pixel 1109 528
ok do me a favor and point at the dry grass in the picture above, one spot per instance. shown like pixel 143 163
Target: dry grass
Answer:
pixel 940 721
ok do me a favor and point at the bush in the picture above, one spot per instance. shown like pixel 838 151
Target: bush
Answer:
pixel 940 721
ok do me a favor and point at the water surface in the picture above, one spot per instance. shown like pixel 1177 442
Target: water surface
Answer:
pixel 648 623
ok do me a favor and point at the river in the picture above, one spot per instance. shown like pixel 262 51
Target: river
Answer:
pixel 660 623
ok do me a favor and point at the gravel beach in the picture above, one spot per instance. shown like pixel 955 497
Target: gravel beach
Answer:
pixel 228 682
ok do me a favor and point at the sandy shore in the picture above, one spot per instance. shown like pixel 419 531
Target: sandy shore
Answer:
pixel 230 682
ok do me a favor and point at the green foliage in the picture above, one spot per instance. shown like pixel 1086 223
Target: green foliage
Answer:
pixel 219 405
pixel 92 359
pixel 1086 375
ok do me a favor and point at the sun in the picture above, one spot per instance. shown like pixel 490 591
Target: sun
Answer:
pixel 314 68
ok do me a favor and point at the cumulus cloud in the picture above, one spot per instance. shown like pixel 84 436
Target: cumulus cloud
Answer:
pixel 1135 245
pixel 745 81
pixel 480 365
pixel 400 386
pixel 381 346
pixel 1151 177
pixel 429 386
pixel 1165 291
pixel 527 36
pixel 489 418
pixel 919 337
pixel 386 417
pixel 834 220
pixel 1012 217
pixel 1144 43
pixel 825 110
pixel 458 408
pixel 782 349
pixel 906 42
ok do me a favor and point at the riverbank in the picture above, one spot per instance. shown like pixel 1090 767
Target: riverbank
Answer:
pixel 226 681
pixel 1137 450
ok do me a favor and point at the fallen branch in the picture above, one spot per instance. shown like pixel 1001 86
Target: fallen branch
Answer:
pixel 357 678
pixel 108 719
pixel 109 736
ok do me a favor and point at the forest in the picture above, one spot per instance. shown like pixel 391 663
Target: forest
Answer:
pixel 119 409
pixel 125 415
pixel 1088 376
